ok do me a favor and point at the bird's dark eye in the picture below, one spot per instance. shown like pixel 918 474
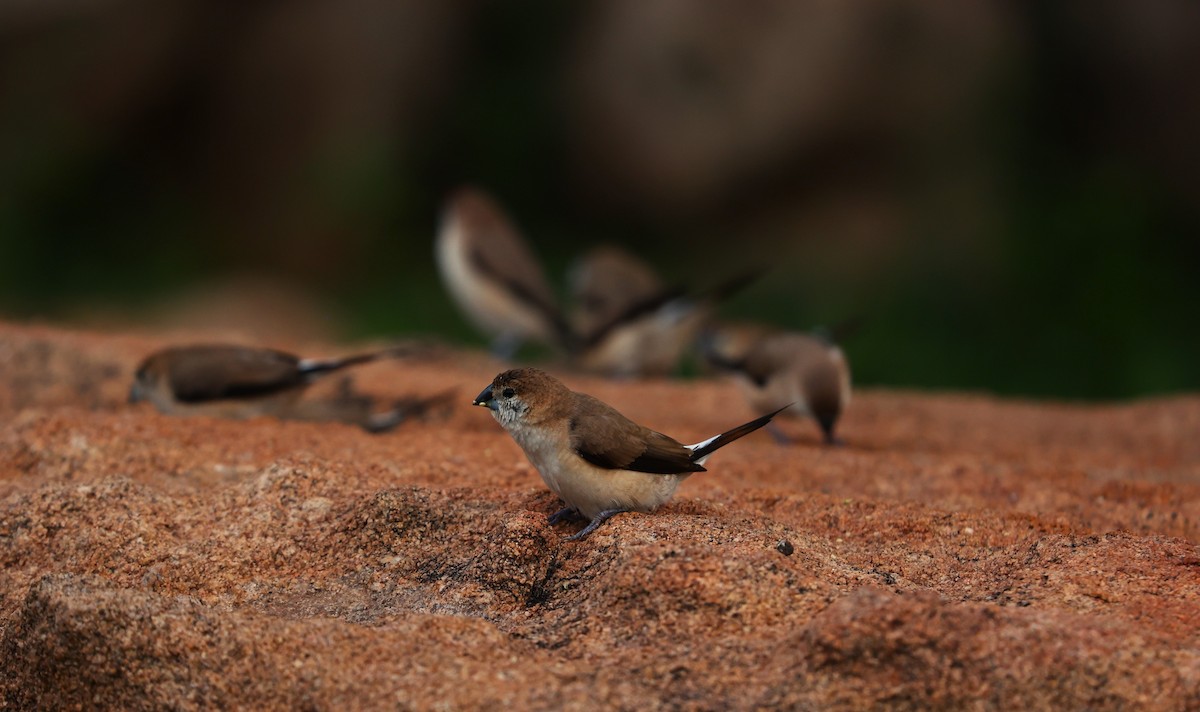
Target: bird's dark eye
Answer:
pixel 508 393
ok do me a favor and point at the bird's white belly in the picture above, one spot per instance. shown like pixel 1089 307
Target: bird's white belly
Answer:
pixel 491 308
pixel 588 488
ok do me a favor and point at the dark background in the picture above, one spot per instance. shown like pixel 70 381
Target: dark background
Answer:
pixel 1006 193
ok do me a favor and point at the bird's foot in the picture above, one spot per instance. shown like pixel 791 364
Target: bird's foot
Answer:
pixel 596 522
pixel 560 515
pixel 828 424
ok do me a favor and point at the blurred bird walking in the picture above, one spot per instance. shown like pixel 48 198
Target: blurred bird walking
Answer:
pixel 774 368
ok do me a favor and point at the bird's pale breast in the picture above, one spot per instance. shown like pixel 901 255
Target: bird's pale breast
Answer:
pixel 584 486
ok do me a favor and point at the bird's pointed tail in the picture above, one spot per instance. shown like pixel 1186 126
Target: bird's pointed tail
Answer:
pixel 702 450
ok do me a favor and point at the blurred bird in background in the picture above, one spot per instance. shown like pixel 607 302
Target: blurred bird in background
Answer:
pixel 241 382
pixel 625 321
pixel 629 322
pixel 605 283
pixel 774 368
pixel 494 277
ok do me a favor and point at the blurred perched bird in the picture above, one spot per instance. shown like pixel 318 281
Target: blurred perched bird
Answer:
pixel 495 278
pixel 629 323
pixel 775 368
pixel 239 382
pixel 598 461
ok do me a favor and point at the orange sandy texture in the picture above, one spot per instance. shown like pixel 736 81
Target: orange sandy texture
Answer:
pixel 960 551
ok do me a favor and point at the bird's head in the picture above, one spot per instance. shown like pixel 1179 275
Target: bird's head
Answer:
pixel 152 379
pixel 524 396
pixel 150 374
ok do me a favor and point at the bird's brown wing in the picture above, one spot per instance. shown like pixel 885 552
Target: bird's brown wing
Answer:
pixel 203 373
pixel 605 438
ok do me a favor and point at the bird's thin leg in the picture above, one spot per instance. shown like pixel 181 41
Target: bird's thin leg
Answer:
pixel 561 514
pixel 827 430
pixel 777 433
pixel 596 521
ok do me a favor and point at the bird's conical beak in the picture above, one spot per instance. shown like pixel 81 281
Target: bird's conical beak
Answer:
pixel 485 399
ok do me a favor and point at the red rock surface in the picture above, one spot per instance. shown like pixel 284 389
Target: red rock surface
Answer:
pixel 960 552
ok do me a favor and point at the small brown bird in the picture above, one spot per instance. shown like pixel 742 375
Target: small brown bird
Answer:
pixel 607 282
pixel 628 322
pixel 598 461
pixel 239 382
pixel 775 368
pixel 494 277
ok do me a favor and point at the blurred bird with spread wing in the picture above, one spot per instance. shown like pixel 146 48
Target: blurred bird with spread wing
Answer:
pixel 629 323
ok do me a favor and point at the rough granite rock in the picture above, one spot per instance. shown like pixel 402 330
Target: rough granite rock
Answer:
pixel 960 552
